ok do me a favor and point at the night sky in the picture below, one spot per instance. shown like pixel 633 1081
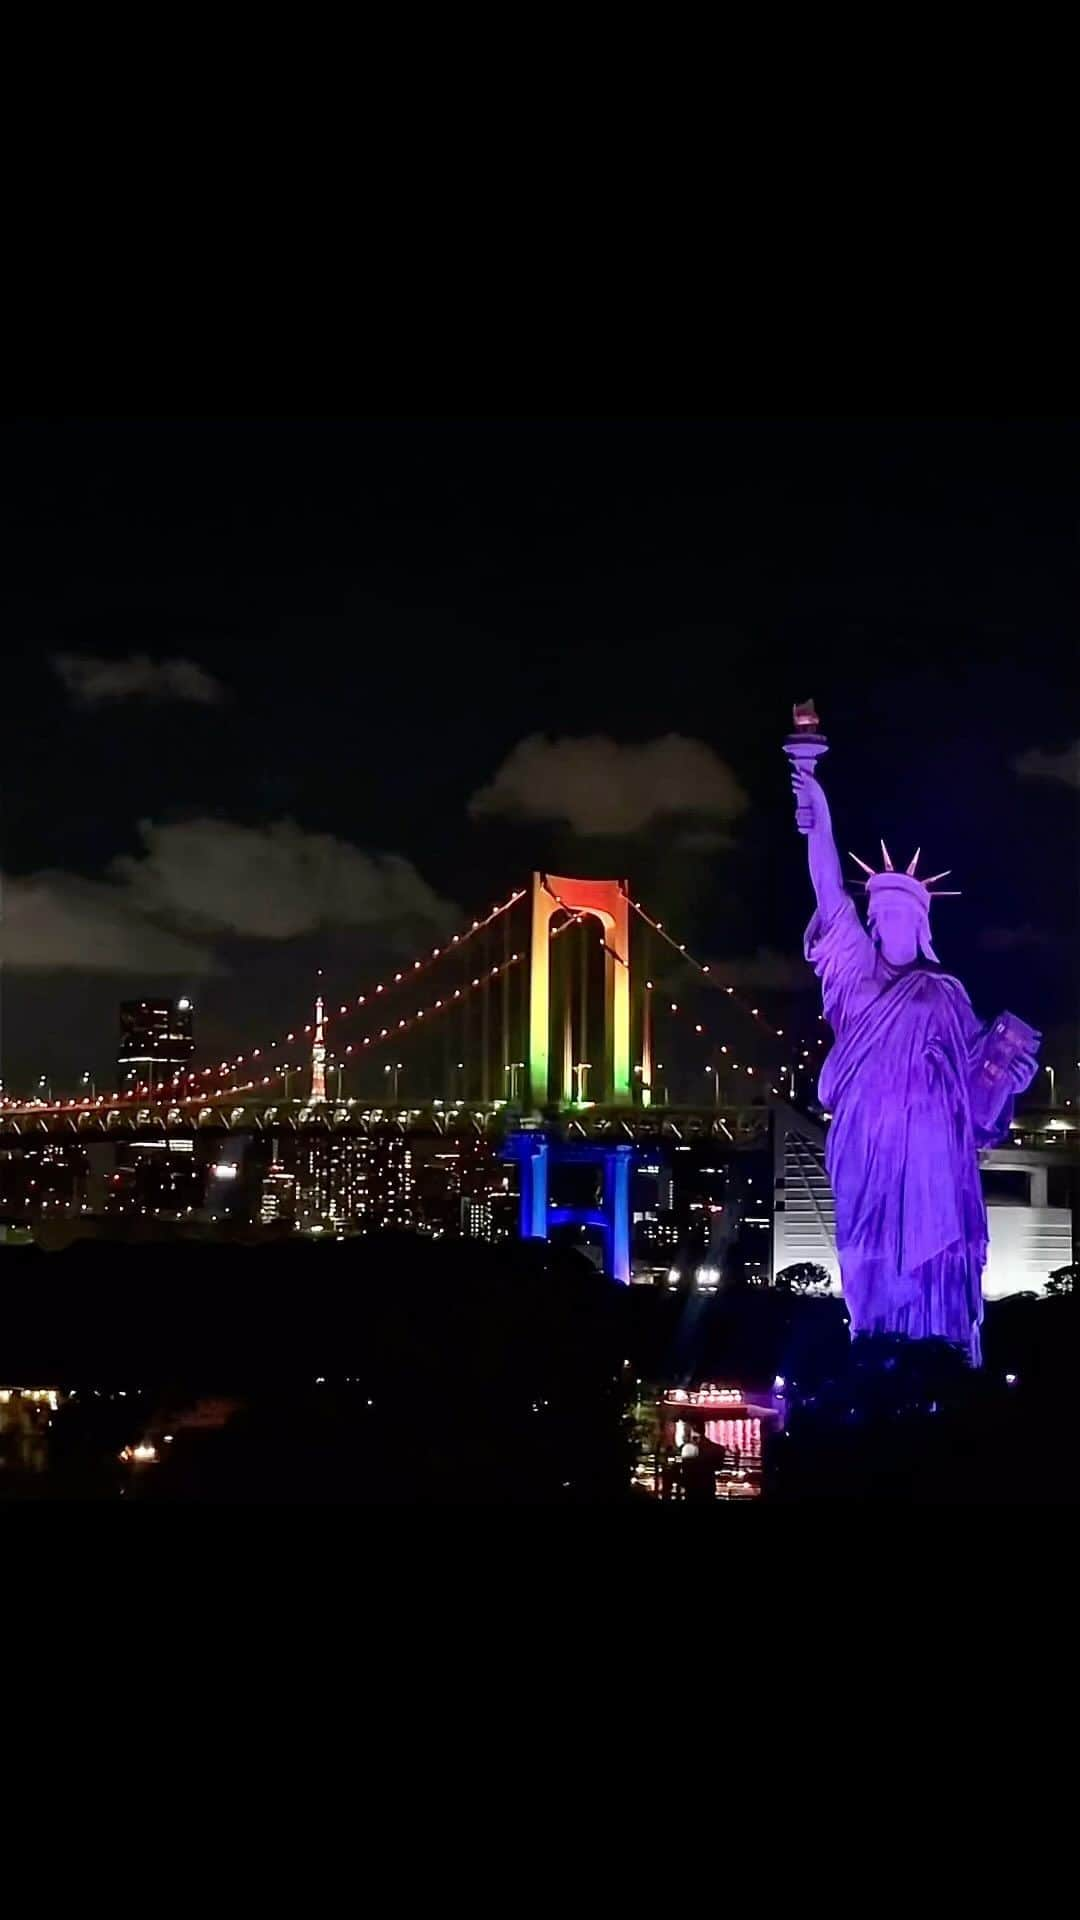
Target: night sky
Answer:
pixel 267 687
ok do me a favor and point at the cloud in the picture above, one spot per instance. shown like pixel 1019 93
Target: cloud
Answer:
pixel 599 786
pixel 57 922
pixel 1038 764
pixel 161 911
pixel 91 680
pixel 273 882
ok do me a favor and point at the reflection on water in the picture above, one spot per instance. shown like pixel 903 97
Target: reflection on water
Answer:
pixel 704 1443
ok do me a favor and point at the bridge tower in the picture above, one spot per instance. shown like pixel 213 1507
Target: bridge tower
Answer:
pixel 605 901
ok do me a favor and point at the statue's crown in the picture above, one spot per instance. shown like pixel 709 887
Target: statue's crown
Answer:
pixel 906 882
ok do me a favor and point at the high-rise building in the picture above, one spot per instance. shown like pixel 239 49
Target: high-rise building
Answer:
pixel 277 1198
pixel 491 1216
pixel 332 1179
pixel 156 1041
pixel 436 1198
pixel 348 1178
pixel 159 1177
pixel 476 1222
pixel 390 1180
pixel 488 1207
pixel 313 1179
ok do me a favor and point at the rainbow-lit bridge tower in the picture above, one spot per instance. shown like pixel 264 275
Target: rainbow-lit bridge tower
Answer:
pixel 536 1148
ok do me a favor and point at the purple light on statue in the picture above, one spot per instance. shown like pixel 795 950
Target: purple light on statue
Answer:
pixel 804 749
pixel 915 1084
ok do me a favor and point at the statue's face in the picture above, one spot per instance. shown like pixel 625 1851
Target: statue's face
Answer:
pixel 894 923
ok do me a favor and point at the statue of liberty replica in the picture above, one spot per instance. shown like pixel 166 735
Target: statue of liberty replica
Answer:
pixel 914 1082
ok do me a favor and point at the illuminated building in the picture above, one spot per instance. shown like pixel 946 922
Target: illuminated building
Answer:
pixel 461 1186
pixel 231 1182
pixel 804 1218
pixel 707 1443
pixel 437 1190
pixel 157 1177
pixel 313 1178
pixel 757 1248
pixel 156 1041
pixel 277 1198
pixel 476 1223
pixel 42 1177
pixel 1031 1193
pixel 654 1241
pixel 348 1177
pixel 714 1224
pixel 490 1216
pixel 655 1232
pixel 653 1190
pixel 504 1214
pixel 390 1180
pixel 331 1178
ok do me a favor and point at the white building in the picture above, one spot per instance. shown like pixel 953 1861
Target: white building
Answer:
pixel 1031 1227
pixel 804 1218
pixel 1029 1237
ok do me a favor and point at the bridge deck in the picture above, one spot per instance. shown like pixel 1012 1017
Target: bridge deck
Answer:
pixel 89 1122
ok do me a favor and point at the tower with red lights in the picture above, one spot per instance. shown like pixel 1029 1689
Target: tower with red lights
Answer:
pixel 318 1058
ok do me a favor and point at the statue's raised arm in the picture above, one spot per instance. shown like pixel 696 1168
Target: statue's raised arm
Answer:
pixel 804 749
pixel 825 871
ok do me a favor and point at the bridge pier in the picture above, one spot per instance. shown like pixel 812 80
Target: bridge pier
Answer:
pixel 535 1154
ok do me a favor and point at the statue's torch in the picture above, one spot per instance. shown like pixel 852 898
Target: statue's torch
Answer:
pixel 804 748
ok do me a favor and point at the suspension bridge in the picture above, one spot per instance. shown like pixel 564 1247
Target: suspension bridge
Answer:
pixel 556 1005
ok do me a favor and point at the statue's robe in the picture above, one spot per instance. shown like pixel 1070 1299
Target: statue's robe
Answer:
pixel 902 1151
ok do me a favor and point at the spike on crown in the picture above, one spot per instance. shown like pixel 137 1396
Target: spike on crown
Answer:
pixel 906 882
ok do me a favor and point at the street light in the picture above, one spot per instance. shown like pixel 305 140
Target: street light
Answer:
pixel 715 1071
pixel 1053 1093
pixel 513 1068
pixel 395 1070
pixel 88 1081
